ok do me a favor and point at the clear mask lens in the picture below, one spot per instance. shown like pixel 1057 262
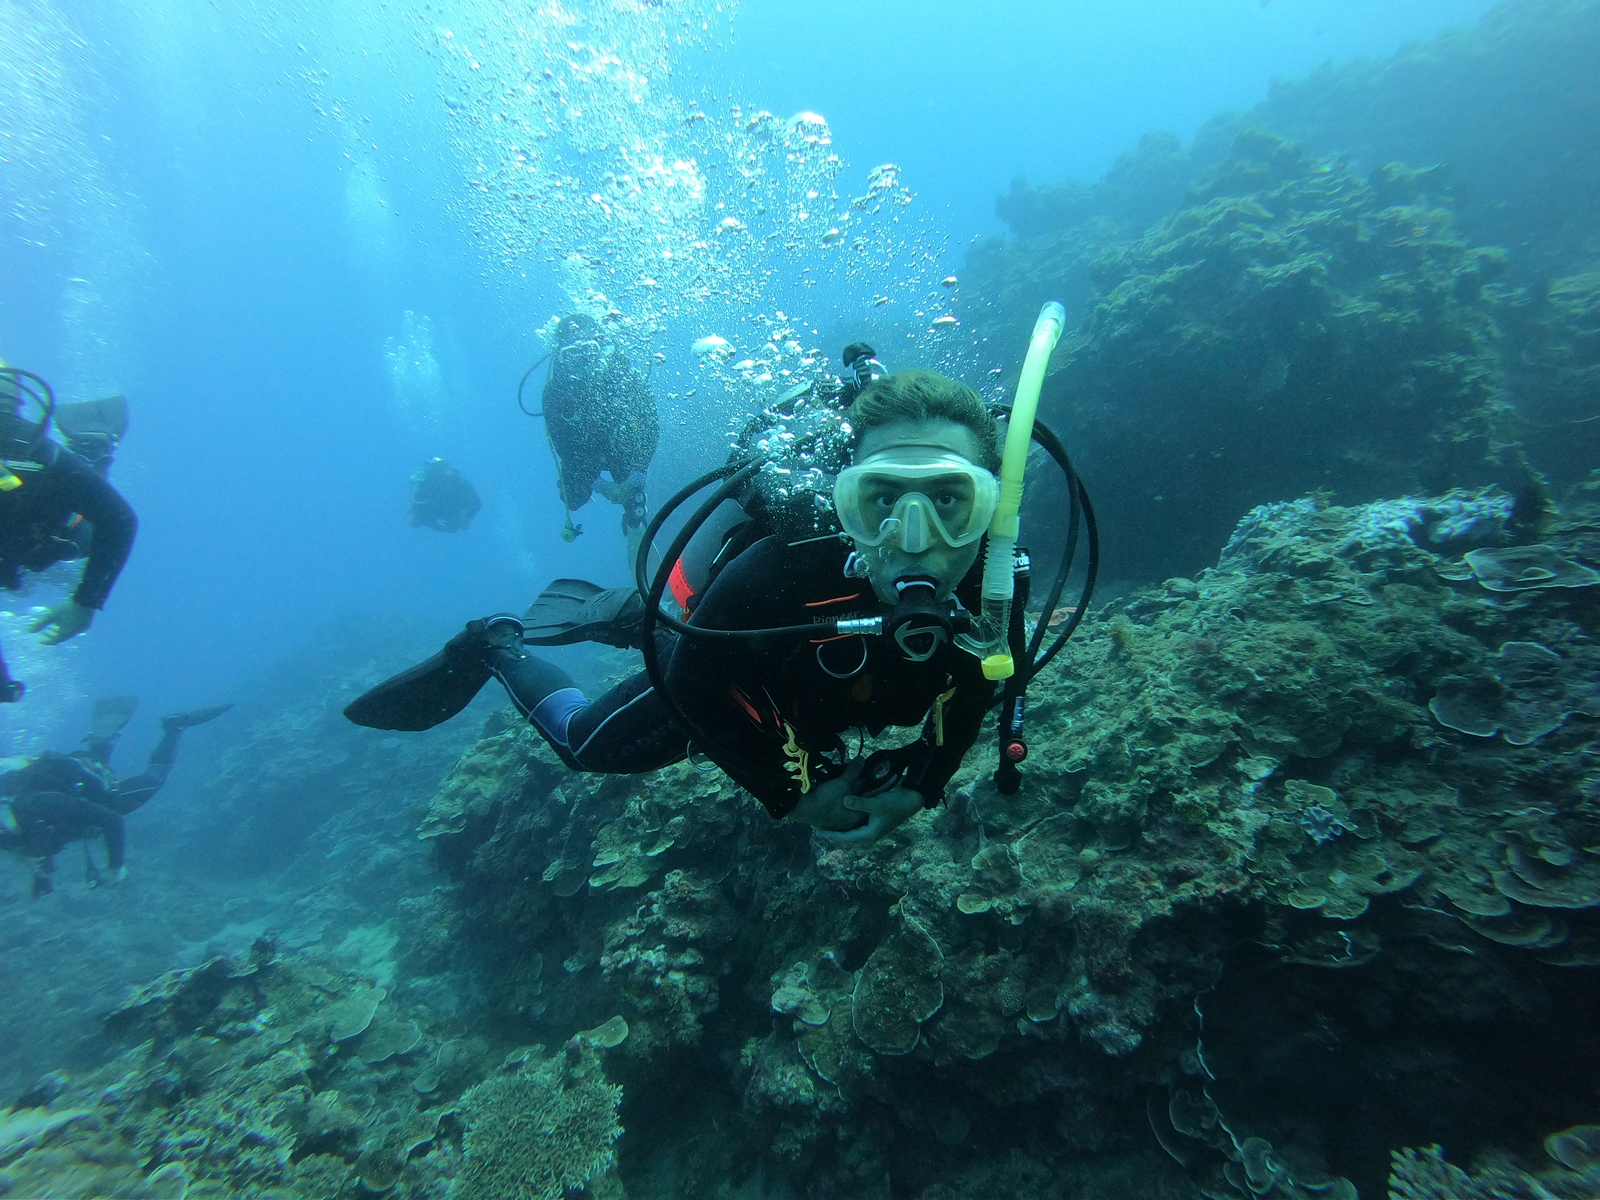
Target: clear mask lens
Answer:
pixel 915 499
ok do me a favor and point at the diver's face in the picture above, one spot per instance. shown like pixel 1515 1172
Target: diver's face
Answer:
pixel 946 565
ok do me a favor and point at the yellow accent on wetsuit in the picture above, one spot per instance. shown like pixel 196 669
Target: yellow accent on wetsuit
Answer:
pixel 799 763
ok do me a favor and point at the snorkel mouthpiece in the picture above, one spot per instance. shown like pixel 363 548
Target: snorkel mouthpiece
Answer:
pixel 987 639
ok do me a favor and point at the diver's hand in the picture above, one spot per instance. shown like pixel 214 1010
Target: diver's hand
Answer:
pixel 66 620
pixel 826 807
pixel 885 811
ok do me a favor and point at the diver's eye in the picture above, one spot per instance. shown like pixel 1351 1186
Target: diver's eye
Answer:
pixel 950 494
pixel 881 494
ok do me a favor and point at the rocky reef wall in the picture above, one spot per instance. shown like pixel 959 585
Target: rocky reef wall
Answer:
pixel 1298 839
pixel 1379 281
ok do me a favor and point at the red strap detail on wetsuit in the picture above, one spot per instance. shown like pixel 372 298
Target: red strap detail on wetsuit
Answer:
pixel 744 702
pixel 678 583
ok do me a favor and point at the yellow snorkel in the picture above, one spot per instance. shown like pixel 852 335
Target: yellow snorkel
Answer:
pixel 987 638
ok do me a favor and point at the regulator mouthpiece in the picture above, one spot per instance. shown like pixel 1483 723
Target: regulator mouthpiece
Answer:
pixel 919 623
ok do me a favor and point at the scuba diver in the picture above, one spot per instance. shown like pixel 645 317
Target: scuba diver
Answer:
pixel 61 798
pixel 442 498
pixel 600 415
pixel 789 645
pixel 56 506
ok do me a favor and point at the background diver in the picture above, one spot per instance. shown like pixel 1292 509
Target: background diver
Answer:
pixel 62 798
pixel 56 505
pixel 600 415
pixel 914 504
pixel 442 498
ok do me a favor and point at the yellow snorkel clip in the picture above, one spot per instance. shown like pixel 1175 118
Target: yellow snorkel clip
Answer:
pixel 987 638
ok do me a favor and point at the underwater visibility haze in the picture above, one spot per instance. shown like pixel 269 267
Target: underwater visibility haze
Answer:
pixel 1237 837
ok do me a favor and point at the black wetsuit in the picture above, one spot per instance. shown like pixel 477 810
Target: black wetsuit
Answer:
pixel 36 527
pixel 601 416
pixel 444 499
pixel 58 799
pixel 772 711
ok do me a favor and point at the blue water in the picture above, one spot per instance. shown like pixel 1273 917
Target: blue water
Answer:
pixel 248 252
pixel 317 242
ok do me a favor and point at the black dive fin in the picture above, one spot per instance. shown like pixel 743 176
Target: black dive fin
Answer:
pixel 199 716
pixel 426 695
pixel 573 610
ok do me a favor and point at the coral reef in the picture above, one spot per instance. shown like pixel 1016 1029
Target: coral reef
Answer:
pixel 263 1076
pixel 1381 279
pixel 1262 874
pixel 1574 1175
pixel 1504 103
pixel 1060 229
pixel 1293 325
pixel 1244 759
pixel 272 1075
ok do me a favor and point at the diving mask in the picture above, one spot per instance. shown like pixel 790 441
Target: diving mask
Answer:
pixel 914 495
